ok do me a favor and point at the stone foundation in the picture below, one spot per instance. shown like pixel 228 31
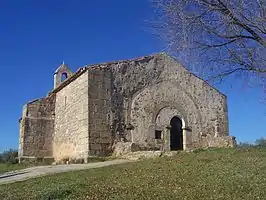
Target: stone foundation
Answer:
pixel 224 141
pixel 124 148
pixel 34 160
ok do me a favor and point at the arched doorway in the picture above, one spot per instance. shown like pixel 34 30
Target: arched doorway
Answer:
pixel 176 134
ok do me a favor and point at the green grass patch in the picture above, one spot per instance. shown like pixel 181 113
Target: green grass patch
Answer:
pixel 237 174
pixel 11 167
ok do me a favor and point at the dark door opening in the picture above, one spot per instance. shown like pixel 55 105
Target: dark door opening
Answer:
pixel 176 134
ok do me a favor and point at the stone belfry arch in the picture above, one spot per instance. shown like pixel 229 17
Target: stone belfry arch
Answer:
pixel 60 72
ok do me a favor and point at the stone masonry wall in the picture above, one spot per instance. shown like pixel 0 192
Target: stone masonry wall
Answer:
pixel 100 137
pixel 142 87
pixel 37 128
pixel 71 120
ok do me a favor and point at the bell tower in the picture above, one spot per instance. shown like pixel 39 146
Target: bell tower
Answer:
pixel 61 74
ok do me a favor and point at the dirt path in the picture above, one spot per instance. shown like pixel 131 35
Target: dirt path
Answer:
pixel 32 172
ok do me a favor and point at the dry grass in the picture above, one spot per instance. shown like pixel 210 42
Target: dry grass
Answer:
pixel 237 174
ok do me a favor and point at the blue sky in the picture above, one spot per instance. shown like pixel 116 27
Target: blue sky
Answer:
pixel 36 36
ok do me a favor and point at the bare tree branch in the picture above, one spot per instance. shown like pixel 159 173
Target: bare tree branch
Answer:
pixel 230 34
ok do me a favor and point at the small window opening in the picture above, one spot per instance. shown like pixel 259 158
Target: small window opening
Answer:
pixel 64 76
pixel 158 134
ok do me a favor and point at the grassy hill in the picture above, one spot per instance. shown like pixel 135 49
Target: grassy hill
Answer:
pixel 211 174
pixel 11 167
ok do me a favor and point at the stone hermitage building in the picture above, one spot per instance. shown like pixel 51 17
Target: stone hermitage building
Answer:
pixel 149 103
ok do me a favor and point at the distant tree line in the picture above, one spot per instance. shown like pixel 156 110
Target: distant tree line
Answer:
pixel 258 143
pixel 10 156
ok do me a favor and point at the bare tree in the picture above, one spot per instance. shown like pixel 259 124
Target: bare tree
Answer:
pixel 223 37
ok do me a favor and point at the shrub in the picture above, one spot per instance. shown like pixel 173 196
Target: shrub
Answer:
pixel 245 145
pixel 258 143
pixel 261 142
pixel 10 156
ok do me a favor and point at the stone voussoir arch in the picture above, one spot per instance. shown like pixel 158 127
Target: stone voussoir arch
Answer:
pixel 148 102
